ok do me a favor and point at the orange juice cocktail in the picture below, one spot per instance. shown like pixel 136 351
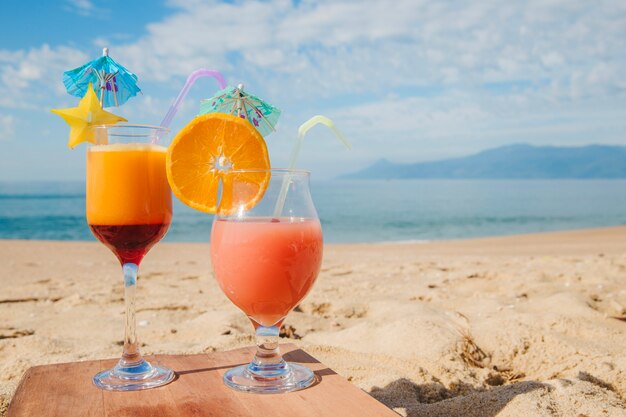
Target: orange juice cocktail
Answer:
pixel 129 209
pixel 129 204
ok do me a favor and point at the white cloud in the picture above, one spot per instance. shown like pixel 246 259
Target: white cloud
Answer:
pixel 29 76
pixel 7 127
pixel 503 73
pixel 326 48
pixel 411 117
pixel 432 77
pixel 85 8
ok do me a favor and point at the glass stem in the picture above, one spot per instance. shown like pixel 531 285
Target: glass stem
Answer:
pixel 268 359
pixel 131 356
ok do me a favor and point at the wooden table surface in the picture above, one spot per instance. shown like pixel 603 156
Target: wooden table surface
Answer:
pixel 66 390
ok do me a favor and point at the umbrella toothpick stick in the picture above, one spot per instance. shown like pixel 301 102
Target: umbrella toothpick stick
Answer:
pixel 102 79
pixel 241 107
pixel 302 130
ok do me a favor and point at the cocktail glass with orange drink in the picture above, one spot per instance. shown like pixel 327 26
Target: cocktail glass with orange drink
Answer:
pixel 129 209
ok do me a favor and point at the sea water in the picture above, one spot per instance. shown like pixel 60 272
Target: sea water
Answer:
pixel 359 211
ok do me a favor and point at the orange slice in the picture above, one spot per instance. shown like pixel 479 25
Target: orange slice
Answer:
pixel 205 153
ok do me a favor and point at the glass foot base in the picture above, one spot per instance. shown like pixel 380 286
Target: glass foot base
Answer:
pixel 294 377
pixel 138 377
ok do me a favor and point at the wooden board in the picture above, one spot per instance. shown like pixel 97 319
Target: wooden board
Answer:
pixel 66 390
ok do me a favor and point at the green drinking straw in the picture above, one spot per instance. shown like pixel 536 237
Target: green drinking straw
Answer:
pixel 302 130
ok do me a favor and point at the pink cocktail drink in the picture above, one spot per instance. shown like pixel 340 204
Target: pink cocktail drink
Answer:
pixel 266 250
pixel 266 266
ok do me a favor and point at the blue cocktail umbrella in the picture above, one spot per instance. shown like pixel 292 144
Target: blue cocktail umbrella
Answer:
pixel 233 100
pixel 113 83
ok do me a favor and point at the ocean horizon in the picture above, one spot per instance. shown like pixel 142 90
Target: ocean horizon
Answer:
pixel 358 211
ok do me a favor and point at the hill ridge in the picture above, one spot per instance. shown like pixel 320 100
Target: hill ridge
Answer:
pixel 514 161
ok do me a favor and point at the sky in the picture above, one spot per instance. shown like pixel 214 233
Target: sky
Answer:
pixel 405 80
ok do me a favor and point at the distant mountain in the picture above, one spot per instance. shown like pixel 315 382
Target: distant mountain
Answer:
pixel 512 161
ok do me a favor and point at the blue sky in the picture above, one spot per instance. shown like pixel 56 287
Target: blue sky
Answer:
pixel 408 80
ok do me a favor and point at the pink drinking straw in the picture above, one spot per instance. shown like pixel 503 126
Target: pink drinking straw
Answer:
pixel 199 73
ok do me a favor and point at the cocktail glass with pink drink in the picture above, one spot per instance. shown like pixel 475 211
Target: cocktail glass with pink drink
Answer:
pixel 266 264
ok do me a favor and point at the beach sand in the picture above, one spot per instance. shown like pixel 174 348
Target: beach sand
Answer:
pixel 529 325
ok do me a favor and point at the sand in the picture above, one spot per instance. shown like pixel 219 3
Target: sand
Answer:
pixel 531 325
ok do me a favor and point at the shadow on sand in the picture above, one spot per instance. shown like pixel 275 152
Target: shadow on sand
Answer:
pixel 435 400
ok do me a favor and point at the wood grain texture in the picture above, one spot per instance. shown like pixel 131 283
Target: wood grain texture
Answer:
pixel 66 390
